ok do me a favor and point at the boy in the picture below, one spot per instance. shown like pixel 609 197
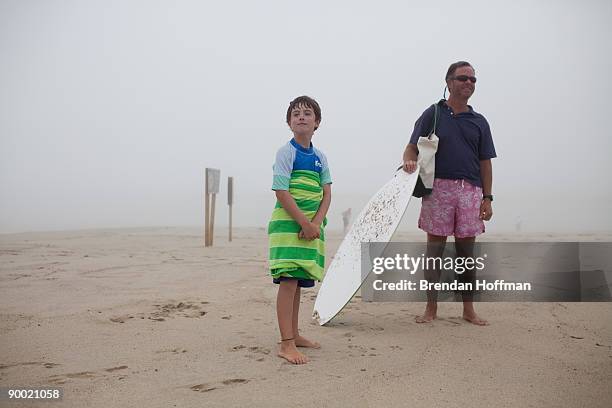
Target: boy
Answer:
pixel 302 184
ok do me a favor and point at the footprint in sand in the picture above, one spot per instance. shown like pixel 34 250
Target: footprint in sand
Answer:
pixel 176 350
pixel 449 320
pixel 163 312
pixel 183 309
pixel 5 366
pixel 359 349
pixel 258 350
pixel 110 370
pixel 62 379
pixel 86 375
pixel 253 349
pixel 202 388
pixel 121 319
pixel 205 387
pixel 46 365
pixel 235 381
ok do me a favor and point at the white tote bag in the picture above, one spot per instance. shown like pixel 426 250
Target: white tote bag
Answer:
pixel 428 146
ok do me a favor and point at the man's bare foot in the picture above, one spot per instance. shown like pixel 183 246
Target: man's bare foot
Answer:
pixel 429 316
pixel 304 342
pixel 290 353
pixel 474 319
pixel 426 318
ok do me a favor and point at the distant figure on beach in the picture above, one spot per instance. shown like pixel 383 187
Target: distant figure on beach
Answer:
pixel 302 184
pixel 346 219
pixel 461 197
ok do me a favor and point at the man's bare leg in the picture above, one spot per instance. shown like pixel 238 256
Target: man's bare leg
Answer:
pixel 465 248
pixel 300 341
pixel 435 248
pixel 470 315
pixel 284 311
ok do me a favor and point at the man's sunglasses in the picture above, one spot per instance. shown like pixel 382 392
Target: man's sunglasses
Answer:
pixel 463 78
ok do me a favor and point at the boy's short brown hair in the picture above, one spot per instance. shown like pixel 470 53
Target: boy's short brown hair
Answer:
pixel 306 101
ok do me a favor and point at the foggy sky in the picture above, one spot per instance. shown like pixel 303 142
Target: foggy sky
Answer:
pixel 111 110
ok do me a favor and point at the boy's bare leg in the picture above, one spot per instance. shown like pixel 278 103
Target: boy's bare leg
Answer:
pixel 435 248
pixel 284 311
pixel 300 341
pixel 465 248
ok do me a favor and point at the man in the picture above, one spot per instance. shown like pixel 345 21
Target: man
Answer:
pixel 461 197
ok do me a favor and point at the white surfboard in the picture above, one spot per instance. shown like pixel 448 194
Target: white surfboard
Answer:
pixel 376 223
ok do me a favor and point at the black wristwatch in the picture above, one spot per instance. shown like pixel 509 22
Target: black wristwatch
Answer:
pixel 489 196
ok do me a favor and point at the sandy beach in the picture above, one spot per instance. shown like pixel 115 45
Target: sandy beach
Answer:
pixel 150 318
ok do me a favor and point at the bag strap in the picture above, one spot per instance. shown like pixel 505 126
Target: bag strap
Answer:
pixel 433 128
pixel 435 120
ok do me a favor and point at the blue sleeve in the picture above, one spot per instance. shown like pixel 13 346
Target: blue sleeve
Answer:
pixel 486 149
pixel 325 174
pixel 283 166
pixel 423 125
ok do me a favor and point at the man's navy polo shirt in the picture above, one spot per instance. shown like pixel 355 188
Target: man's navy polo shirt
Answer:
pixel 465 139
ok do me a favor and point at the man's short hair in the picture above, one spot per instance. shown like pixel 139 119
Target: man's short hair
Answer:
pixel 453 68
pixel 304 101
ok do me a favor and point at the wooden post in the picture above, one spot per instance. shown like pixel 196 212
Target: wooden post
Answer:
pixel 206 210
pixel 230 201
pixel 230 223
pixel 212 218
pixel 212 188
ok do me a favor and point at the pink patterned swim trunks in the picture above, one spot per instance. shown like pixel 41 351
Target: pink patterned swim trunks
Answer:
pixel 453 208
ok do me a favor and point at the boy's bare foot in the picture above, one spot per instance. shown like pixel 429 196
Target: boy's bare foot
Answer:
pixel 474 319
pixel 429 315
pixel 301 341
pixel 290 353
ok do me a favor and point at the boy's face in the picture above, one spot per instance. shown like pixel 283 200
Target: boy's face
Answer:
pixel 303 121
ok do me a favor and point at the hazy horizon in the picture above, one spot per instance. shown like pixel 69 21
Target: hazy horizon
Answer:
pixel 111 110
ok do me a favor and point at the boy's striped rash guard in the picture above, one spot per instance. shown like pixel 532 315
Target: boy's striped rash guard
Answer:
pixel 303 172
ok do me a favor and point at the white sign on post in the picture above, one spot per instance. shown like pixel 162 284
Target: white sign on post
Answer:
pixel 211 188
pixel 213 177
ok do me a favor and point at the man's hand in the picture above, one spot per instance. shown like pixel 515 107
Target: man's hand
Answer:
pixel 410 166
pixel 310 231
pixel 486 211
pixel 411 153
